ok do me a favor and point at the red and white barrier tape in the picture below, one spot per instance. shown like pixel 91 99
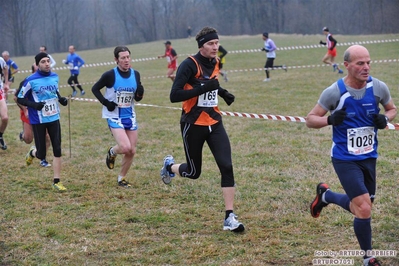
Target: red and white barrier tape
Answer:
pixel 300 47
pixel 237 114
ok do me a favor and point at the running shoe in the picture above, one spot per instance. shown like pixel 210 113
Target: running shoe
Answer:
pixel 265 80
pixel 21 136
pixel 317 204
pixel 29 157
pixel 74 93
pixel 3 144
pixel 59 186
pixel 44 163
pixel 340 71
pixel 232 224
pixel 82 92
pixel 124 183
pixel 166 176
pixel 285 68
pixel 371 262
pixel 335 67
pixel 110 160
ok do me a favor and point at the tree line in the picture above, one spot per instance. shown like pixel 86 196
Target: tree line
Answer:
pixel 91 24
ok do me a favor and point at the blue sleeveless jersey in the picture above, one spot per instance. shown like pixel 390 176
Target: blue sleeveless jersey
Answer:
pixel 356 138
pixel 121 93
pixel 39 88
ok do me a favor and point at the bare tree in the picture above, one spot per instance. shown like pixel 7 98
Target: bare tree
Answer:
pixel 17 18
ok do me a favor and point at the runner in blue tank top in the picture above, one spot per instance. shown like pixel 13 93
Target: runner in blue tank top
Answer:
pixel 355 118
pixel 123 87
pixel 40 94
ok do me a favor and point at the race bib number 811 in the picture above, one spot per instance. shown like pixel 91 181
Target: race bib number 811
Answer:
pixel 360 140
pixel 50 108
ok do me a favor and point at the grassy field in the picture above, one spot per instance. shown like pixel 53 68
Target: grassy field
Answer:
pixel 277 166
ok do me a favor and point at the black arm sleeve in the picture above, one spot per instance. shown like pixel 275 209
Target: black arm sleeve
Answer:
pixel 323 43
pixel 26 102
pixel 223 51
pixel 106 80
pixel 185 73
pixel 138 95
pixel 334 42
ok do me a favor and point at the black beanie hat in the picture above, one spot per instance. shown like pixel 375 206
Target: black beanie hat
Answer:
pixel 39 57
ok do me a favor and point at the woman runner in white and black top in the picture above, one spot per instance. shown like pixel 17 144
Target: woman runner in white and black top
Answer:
pixel 123 87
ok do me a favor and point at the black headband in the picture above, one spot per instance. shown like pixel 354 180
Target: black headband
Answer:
pixel 206 38
pixel 39 57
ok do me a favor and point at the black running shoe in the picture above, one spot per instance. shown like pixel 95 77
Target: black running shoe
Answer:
pixel 3 145
pixel 317 204
pixel 124 183
pixel 110 160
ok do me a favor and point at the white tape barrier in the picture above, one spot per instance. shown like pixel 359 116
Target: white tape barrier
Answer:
pixel 300 47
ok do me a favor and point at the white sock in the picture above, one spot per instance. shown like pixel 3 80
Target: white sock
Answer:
pixel 120 178
pixel 323 197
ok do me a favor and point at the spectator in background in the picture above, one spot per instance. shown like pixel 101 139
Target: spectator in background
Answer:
pixel 171 57
pixel 43 49
pixel 189 32
pixel 74 62
pixel 331 50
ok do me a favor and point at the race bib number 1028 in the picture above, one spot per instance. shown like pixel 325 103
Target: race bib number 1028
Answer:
pixel 360 140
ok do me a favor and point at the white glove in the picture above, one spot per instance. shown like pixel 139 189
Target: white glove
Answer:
pixel 76 68
pixel 64 61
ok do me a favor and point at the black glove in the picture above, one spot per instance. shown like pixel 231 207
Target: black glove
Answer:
pixel 263 49
pixel 337 117
pixel 138 95
pixel 38 106
pixel 110 105
pixel 321 42
pixel 380 121
pixel 209 85
pixel 228 98
pixel 63 101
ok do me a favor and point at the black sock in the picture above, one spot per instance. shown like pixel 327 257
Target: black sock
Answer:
pixel 228 213
pixel 169 168
pixel 1 134
pixel 56 180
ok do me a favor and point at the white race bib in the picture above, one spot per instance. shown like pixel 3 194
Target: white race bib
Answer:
pixel 124 99
pixel 360 140
pixel 70 65
pixel 50 108
pixel 208 99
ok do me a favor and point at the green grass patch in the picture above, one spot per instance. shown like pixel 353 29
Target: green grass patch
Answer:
pixel 277 166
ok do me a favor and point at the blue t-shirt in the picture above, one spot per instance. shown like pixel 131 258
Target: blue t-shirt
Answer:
pixel 42 88
pixel 73 61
